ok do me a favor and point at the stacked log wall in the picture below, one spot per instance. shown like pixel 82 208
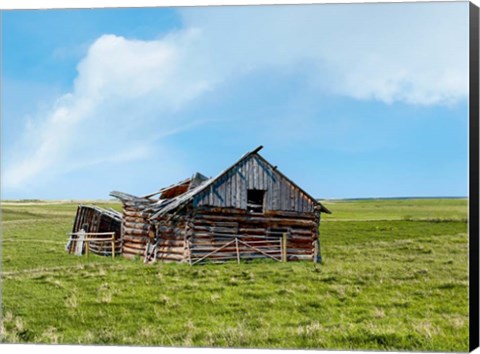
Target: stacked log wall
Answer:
pixel 136 229
pixel 212 228
pixel 171 234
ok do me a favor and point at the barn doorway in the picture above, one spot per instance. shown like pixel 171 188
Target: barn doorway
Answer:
pixel 255 201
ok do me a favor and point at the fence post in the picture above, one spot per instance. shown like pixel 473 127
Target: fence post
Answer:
pixel 284 247
pixel 86 245
pixel 189 250
pixel 238 253
pixel 113 246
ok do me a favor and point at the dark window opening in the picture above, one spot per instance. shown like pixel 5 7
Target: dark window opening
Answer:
pixel 255 201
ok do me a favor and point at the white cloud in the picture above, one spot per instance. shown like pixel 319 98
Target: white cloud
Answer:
pixel 411 53
pixel 122 87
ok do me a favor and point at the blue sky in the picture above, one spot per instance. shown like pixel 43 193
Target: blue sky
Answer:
pixel 359 100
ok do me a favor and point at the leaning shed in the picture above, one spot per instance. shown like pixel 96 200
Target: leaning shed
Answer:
pixel 250 210
pixel 94 219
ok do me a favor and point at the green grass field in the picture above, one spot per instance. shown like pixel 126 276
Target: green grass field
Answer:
pixel 394 277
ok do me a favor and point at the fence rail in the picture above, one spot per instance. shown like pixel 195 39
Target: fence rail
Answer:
pixel 78 239
pixel 236 249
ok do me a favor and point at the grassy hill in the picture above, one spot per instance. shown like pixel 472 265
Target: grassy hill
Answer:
pixel 394 277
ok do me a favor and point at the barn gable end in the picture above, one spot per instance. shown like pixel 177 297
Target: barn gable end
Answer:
pixel 253 172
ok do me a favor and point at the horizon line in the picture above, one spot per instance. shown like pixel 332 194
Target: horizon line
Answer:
pixel 319 199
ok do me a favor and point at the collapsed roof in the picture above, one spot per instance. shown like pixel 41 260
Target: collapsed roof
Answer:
pixel 174 197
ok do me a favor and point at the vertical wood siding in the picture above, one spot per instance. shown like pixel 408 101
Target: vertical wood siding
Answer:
pixel 230 191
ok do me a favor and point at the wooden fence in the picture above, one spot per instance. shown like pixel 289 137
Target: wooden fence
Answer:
pixel 238 249
pixel 101 243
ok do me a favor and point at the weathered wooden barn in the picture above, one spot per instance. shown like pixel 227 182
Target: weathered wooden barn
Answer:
pixel 250 210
